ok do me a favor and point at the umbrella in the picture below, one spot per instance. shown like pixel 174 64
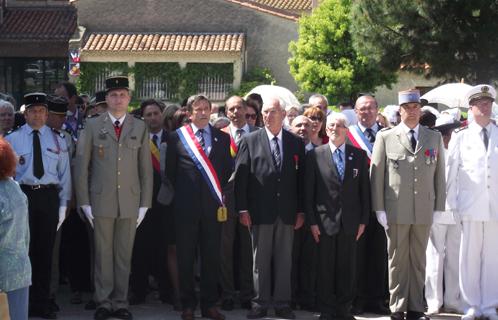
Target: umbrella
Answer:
pixel 450 94
pixel 268 91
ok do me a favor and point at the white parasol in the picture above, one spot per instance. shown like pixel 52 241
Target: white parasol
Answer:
pixel 268 91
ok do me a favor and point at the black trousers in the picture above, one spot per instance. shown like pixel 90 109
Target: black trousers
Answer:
pixel 308 264
pixel 336 273
pixel 372 281
pixel 202 231
pixel 150 253
pixel 43 207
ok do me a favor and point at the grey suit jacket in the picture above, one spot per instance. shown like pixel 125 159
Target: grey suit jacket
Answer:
pixel 114 177
pixel 408 185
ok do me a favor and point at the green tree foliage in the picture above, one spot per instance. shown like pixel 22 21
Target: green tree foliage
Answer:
pixel 324 60
pixel 455 38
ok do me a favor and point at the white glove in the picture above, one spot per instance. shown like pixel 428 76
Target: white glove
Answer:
pixel 141 215
pixel 87 210
pixel 62 216
pixel 382 219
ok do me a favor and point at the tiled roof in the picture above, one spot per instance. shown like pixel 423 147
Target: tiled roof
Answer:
pixel 172 42
pixel 259 5
pixel 48 23
pixel 300 5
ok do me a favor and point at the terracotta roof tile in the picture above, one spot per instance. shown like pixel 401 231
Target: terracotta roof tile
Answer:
pixel 34 23
pixel 174 42
pixel 260 5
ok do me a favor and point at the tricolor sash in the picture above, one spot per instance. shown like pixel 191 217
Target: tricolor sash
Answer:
pixel 359 140
pixel 233 145
pixel 155 156
pixel 201 161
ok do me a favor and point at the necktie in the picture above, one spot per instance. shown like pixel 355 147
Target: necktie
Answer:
pixel 277 161
pixel 370 135
pixel 413 141
pixel 154 139
pixel 339 163
pixel 238 135
pixel 38 170
pixel 117 129
pixel 485 137
pixel 200 137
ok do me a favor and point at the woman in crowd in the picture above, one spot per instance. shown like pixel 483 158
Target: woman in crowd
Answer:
pixel 317 133
pixel 15 268
pixel 252 115
pixel 6 117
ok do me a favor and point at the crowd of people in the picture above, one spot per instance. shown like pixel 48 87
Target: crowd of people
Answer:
pixel 255 205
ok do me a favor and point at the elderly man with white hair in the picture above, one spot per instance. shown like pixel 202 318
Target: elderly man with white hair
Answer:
pixel 6 117
pixel 337 203
pixel 269 192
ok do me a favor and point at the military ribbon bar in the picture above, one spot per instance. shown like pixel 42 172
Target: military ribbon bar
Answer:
pixel 201 161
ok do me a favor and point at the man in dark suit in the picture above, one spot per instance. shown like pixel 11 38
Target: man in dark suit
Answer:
pixel 149 249
pixel 236 109
pixel 269 198
pixel 337 197
pixel 371 282
pixel 195 153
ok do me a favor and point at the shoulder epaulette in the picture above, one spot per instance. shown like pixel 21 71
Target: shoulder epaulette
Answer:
pixel 59 133
pixel 137 116
pixel 386 128
pixel 460 129
pixel 11 131
pixel 94 115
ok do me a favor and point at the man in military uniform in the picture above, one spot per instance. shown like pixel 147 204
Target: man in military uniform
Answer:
pixel 472 189
pixel 408 185
pixel 114 187
pixel 44 175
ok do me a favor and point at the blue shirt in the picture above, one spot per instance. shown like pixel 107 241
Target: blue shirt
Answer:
pixel 55 158
pixel 15 268
pixel 206 135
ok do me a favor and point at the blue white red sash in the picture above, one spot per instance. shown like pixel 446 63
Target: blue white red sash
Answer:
pixel 201 161
pixel 359 140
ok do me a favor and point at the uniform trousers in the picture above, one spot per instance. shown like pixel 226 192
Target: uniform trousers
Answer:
pixel 272 245
pixel 113 249
pixel 43 207
pixel 442 264
pixel 406 247
pixel 336 273
pixel 479 265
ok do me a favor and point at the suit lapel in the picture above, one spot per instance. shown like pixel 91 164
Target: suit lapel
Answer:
pixel 127 126
pixel 214 142
pixel 266 147
pixel 403 138
pixel 422 138
pixel 348 163
pixel 324 156
pixel 109 126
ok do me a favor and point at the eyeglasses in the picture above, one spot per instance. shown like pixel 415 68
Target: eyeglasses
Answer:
pixel 251 116
pixel 313 118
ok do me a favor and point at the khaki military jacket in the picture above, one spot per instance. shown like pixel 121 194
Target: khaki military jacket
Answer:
pixel 409 185
pixel 114 176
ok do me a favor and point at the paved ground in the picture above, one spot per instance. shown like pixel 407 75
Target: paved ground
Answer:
pixel 154 310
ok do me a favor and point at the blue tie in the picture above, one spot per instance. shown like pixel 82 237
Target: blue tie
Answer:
pixel 339 163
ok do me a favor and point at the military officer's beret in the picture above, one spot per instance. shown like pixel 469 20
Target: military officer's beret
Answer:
pixel 408 96
pixel 35 99
pixel 118 82
pixel 481 91
pixel 57 105
pixel 99 97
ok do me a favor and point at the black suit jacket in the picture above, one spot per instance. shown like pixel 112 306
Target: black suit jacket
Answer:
pixel 331 204
pixel 192 194
pixel 263 190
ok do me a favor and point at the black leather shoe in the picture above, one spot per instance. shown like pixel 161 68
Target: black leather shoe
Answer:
pixel 102 314
pixel 416 315
pixel 123 314
pixel 227 305
pixel 357 309
pixel 246 305
pixel 90 305
pixel 44 314
pixel 285 313
pixel 257 313
pixel 398 316
pixel 307 307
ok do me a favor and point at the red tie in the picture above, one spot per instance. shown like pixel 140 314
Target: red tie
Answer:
pixel 117 128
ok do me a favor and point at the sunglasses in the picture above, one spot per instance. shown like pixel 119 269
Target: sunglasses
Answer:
pixel 251 116
pixel 313 118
